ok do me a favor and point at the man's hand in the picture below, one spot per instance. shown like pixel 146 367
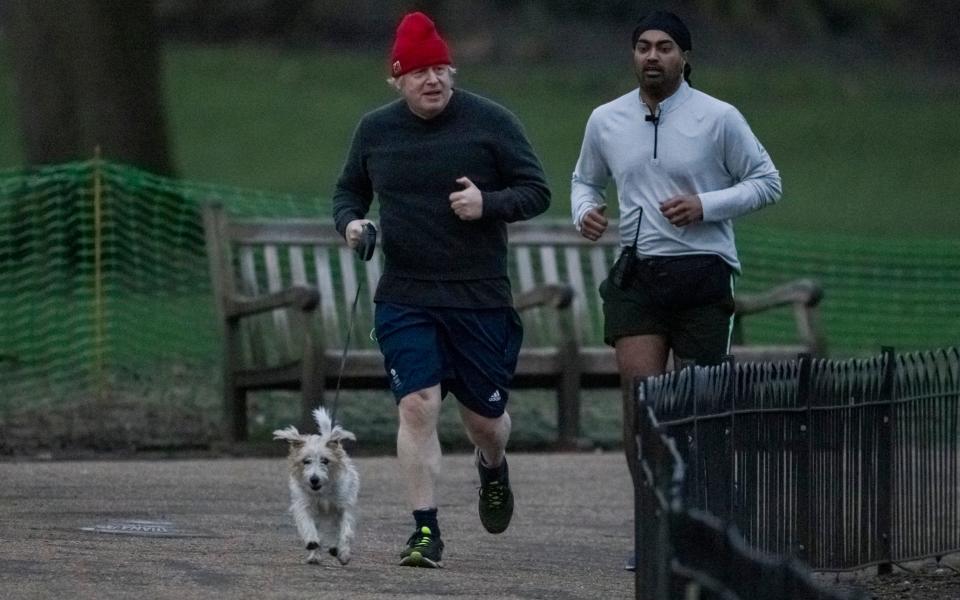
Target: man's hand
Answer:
pixel 467 204
pixel 683 210
pixel 594 223
pixel 354 232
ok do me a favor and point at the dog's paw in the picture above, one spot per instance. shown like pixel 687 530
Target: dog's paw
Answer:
pixel 343 555
pixel 312 558
pixel 333 551
pixel 313 546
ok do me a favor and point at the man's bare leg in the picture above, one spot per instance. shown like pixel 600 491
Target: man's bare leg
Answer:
pixel 637 356
pixel 418 446
pixel 490 435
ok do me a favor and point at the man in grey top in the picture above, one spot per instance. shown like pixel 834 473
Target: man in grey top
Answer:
pixel 685 164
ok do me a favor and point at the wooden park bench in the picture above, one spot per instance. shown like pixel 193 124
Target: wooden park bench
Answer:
pixel 284 289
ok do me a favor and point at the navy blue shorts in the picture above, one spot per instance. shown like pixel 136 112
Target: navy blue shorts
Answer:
pixel 470 352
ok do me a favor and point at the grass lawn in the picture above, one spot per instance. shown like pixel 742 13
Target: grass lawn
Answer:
pixel 867 151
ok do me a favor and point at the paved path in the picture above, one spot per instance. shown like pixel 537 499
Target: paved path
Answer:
pixel 232 536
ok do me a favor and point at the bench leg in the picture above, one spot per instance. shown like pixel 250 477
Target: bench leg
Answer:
pixel 234 397
pixel 568 412
pixel 311 373
pixel 312 397
pixel 235 413
pixel 568 400
pixel 312 389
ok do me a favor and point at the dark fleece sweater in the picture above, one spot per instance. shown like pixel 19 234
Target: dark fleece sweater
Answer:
pixel 431 257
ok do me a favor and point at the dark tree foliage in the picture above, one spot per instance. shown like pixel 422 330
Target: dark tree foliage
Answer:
pixel 887 25
pixel 88 75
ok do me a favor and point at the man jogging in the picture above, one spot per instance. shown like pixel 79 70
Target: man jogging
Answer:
pixel 450 169
pixel 685 165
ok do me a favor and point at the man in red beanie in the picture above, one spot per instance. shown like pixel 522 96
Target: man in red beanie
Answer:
pixel 450 169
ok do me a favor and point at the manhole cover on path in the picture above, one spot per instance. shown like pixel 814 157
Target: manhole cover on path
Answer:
pixel 140 528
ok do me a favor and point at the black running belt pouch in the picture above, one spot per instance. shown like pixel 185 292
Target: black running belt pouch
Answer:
pixel 624 270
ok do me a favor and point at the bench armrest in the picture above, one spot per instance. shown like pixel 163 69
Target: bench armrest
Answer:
pixel 554 295
pixel 805 292
pixel 303 298
pixel 804 295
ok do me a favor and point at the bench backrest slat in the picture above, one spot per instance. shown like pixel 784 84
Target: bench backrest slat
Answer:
pixel 328 298
pixel 582 326
pixel 248 272
pixel 254 340
pixel 298 269
pixel 275 283
pixel 349 275
pixel 352 272
pixel 548 259
pixel 524 265
pixel 525 280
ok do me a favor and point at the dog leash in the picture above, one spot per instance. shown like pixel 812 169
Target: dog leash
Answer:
pixel 346 347
pixel 364 250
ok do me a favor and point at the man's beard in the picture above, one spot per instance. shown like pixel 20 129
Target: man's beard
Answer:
pixel 661 86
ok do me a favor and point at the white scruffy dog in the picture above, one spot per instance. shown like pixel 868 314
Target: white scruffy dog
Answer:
pixel 323 487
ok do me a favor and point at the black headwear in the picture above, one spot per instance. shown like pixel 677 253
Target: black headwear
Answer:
pixel 670 24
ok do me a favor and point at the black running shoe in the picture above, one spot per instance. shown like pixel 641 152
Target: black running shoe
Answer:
pixel 496 499
pixel 423 550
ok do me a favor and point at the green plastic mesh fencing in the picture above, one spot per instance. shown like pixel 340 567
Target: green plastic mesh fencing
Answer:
pixel 898 292
pixel 104 289
pixel 105 293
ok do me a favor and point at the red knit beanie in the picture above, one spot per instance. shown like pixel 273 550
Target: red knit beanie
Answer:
pixel 417 45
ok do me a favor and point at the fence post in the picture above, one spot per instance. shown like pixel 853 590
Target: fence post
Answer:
pixel 885 461
pixel 733 390
pixel 804 537
pixel 723 504
pixel 641 512
pixel 99 323
pixel 698 487
pixel 653 551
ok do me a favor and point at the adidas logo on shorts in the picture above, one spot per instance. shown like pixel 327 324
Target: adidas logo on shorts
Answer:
pixel 495 396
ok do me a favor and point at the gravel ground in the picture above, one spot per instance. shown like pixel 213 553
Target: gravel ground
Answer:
pixel 923 581
pixel 47 495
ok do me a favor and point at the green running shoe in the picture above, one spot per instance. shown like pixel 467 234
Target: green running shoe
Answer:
pixel 423 550
pixel 496 498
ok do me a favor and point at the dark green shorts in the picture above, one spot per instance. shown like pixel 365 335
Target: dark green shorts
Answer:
pixel 688 300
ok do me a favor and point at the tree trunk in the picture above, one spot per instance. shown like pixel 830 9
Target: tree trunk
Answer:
pixel 88 74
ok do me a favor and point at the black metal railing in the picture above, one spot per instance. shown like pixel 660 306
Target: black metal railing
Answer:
pixel 690 554
pixel 841 464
